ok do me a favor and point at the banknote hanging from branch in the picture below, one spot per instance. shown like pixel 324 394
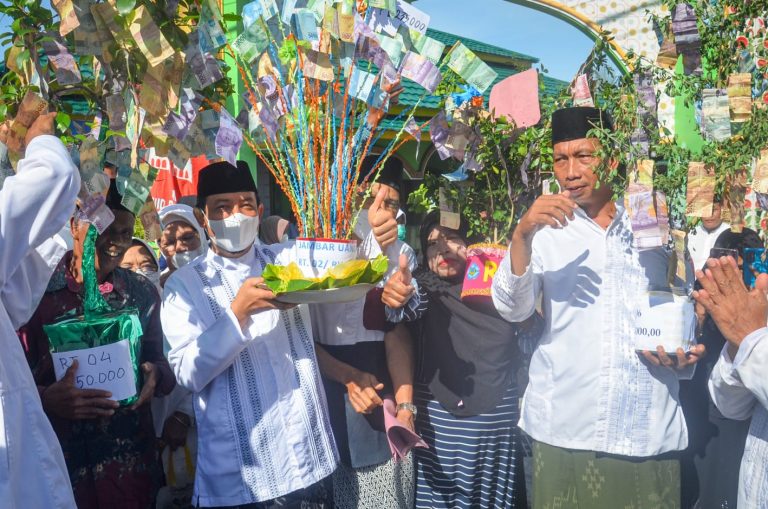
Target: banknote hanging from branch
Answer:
pixel 154 75
pixel 320 80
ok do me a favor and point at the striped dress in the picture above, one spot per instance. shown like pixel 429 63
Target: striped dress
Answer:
pixel 471 460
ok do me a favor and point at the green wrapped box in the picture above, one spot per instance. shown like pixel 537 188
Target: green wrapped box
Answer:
pixel 106 343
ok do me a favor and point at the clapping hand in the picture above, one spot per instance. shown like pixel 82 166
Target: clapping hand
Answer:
pixel 736 310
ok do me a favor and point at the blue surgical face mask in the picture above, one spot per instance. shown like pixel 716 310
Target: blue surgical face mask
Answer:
pixel 401 232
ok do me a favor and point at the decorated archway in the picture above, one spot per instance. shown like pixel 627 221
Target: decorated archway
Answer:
pixel 626 21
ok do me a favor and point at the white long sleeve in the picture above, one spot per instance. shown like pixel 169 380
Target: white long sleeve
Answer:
pixel 34 205
pixel 199 354
pixel 26 286
pixel 515 296
pixel 36 202
pixel 738 385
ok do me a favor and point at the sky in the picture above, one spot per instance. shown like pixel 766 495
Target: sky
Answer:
pixel 560 47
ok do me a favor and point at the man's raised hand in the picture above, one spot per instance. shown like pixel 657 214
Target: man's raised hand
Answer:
pixel 382 221
pixel 399 288
pixel 553 210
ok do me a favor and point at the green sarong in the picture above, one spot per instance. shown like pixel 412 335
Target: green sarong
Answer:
pixel 571 479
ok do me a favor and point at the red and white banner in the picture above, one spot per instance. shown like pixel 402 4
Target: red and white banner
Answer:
pixel 172 182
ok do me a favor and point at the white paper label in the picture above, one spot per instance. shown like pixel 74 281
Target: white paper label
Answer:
pixel 315 257
pixel 664 319
pixel 107 368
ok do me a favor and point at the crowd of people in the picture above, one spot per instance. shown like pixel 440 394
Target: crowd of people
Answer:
pixel 248 402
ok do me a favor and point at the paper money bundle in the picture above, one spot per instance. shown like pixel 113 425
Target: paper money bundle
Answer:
pixel 687 38
pixel 700 195
pixel 740 97
pixel 647 208
pixel 715 114
pixel 31 107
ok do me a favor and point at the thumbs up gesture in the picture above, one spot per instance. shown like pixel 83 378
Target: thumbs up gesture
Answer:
pixel 382 221
pixel 399 288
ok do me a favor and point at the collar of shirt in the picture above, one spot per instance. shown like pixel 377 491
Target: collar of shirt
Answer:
pixel 243 262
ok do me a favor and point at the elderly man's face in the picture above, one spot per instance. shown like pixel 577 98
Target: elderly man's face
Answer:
pixel 110 245
pixel 575 165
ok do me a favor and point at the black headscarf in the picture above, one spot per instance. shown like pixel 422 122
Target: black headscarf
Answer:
pixel 431 220
pixel 746 239
pixel 467 354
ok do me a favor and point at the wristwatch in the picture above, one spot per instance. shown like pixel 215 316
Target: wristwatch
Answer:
pixel 407 406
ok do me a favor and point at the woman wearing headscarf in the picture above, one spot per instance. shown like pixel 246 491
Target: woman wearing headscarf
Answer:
pixel 710 464
pixel 141 259
pixel 465 390
pixel 183 238
pixel 274 230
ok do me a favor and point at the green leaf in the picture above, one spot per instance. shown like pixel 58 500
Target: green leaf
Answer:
pixel 22 57
pixel 62 121
pixel 125 6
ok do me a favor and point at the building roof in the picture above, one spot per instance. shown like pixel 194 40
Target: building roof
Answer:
pixel 412 91
pixel 479 47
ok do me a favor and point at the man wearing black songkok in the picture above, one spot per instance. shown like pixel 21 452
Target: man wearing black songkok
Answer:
pixel 605 419
pixel 362 357
pixel 264 440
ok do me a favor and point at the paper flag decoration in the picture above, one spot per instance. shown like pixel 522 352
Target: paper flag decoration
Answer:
pixel 517 98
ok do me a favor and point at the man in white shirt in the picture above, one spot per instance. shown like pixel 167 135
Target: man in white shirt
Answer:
pixel 362 359
pixel 601 415
pixel 702 239
pixel 739 381
pixel 264 439
pixel 34 205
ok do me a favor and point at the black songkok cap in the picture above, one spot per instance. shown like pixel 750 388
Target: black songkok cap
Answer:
pixel 221 178
pixel 114 200
pixel 574 123
pixel 390 175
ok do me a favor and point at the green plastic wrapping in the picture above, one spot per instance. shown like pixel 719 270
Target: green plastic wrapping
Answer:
pixel 290 278
pixel 99 325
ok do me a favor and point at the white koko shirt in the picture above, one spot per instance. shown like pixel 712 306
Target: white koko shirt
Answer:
pixel 34 205
pixel 588 388
pixel 739 388
pixel 701 242
pixel 342 324
pixel 262 421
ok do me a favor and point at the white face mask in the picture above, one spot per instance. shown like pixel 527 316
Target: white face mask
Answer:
pixel 236 233
pixel 179 260
pixel 152 275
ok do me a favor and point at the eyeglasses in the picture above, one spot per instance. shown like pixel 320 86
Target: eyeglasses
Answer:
pixel 393 205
